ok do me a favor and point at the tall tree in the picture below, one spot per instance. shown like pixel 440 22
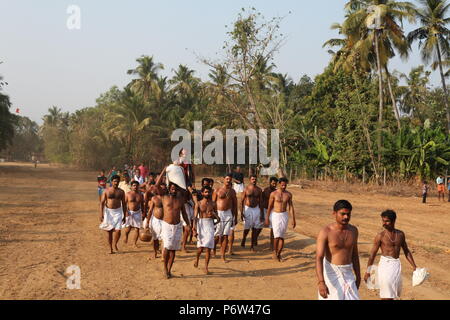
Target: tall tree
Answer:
pixel 147 72
pixel 433 37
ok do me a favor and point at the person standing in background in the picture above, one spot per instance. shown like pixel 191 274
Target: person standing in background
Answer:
pixel 441 188
pixel 424 191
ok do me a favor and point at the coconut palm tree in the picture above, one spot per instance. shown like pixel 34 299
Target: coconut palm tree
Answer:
pixel 147 71
pixel 380 27
pixel 433 38
pixel 128 118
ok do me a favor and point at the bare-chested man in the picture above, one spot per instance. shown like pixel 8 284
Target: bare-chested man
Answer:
pixel 337 257
pixel 204 214
pixel 135 204
pixel 172 227
pixel 113 212
pixel 265 205
pixel 155 216
pixel 280 204
pixel 225 198
pixel 252 212
pixel 391 241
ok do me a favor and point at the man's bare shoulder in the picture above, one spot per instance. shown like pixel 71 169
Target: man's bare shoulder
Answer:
pixel 353 229
pixel 325 230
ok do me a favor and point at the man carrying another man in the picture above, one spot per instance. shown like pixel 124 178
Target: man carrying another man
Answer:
pixel 172 227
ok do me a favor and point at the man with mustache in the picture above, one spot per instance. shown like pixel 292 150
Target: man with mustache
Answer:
pixel 391 241
pixel 113 212
pixel 280 205
pixel 226 200
pixel 155 216
pixel 337 257
pixel 204 214
pixel 265 205
pixel 172 227
pixel 252 213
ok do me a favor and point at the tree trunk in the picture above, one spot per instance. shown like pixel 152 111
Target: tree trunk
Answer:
pixel 380 88
pixel 444 86
pixel 394 102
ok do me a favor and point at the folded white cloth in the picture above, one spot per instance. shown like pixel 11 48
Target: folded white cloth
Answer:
pixel 239 188
pixel 223 228
pixel 341 282
pixel 175 174
pixel 419 276
pixel 390 277
pixel 372 283
pixel 134 219
pixel 171 235
pixel 205 230
pixel 279 224
pixel 252 218
pixel 112 219
pixel 156 228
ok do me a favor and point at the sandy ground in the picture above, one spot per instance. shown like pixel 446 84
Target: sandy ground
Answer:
pixel 49 221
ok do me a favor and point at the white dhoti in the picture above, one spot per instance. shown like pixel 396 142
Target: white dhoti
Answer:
pixel 390 278
pixel 270 219
pixel 112 219
pixel 223 228
pixel 205 230
pixel 341 282
pixel 171 235
pixel 134 219
pixel 156 228
pixel 238 188
pixel 279 224
pixel 190 213
pixel 252 218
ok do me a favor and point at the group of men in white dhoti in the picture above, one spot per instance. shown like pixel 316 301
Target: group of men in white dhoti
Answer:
pixel 337 257
pixel 171 213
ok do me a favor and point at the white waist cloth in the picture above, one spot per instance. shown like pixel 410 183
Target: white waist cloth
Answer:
pixel 390 277
pixel 252 218
pixel 112 219
pixel 205 230
pixel 134 219
pixel 341 282
pixel 270 219
pixel 171 235
pixel 239 188
pixel 223 228
pixel 156 228
pixel 190 213
pixel 279 224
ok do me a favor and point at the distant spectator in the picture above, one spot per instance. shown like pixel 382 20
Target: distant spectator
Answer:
pixel 441 188
pixel 425 191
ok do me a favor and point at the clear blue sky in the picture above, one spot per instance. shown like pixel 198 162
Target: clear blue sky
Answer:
pixel 47 64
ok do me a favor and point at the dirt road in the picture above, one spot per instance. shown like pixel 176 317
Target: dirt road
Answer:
pixel 49 221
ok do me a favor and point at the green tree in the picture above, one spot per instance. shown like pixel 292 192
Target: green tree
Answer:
pixel 433 38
